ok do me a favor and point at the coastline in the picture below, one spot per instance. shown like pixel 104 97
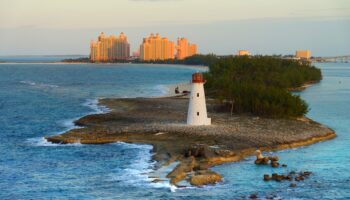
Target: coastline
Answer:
pixel 303 87
pixel 171 140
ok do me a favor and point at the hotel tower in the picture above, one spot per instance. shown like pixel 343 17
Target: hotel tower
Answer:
pixel 184 49
pixel 109 48
pixel 155 47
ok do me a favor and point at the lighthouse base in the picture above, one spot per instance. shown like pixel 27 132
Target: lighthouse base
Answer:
pixel 203 122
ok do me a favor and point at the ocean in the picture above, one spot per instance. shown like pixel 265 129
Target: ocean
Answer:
pixel 38 100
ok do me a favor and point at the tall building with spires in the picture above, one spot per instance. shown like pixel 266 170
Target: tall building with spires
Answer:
pixel 156 47
pixel 184 49
pixel 109 48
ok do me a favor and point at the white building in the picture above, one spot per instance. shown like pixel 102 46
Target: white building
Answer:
pixel 197 109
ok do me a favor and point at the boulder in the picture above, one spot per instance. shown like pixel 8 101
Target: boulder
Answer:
pixel 197 150
pixel 307 173
pixel 260 159
pixel 266 177
pixel 202 166
pixel 299 178
pixel 279 178
pixel 274 176
pixel 274 164
pixel 273 158
pixel 181 170
pixel 206 177
pixel 253 196
pixel 258 154
pixel 263 161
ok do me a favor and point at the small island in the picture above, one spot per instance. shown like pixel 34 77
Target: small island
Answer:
pixel 251 107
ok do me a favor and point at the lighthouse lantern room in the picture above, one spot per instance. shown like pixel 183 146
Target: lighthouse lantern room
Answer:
pixel 197 109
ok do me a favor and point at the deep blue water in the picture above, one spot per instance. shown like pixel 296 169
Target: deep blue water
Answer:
pixel 42 99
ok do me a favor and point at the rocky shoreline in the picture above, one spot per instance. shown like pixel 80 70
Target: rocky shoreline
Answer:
pixel 161 122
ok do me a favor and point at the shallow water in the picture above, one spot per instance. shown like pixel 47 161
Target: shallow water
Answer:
pixel 39 100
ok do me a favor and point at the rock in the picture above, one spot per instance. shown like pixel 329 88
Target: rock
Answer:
pixel 307 173
pixel 202 166
pixel 197 150
pixel 181 170
pixel 157 180
pixel 284 165
pixel 292 185
pixel 274 164
pixel 266 161
pixel 263 161
pixel 274 176
pixel 299 178
pixel 260 159
pixel 266 177
pixel 273 158
pixel 253 196
pixel 279 178
pixel 205 178
pixel 258 155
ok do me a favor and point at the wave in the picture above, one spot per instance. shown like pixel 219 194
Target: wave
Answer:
pixel 138 173
pixel 161 90
pixel 39 85
pixel 41 141
pixel 97 109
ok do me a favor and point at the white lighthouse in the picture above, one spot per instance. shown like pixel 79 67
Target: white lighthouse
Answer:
pixel 197 109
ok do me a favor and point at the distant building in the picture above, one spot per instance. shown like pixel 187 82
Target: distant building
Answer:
pixel 155 47
pixel 136 54
pixel 303 54
pixel 243 53
pixel 184 49
pixel 109 48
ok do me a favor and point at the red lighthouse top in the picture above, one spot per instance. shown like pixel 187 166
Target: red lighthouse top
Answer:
pixel 197 78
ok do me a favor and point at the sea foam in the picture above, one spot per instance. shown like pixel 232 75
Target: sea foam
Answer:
pixel 97 109
pixel 138 173
pixel 41 141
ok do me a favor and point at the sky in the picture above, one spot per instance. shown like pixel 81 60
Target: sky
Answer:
pixel 61 27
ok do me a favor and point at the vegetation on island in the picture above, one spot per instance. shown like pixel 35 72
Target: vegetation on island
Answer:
pixel 204 60
pixel 259 85
pixel 250 84
pixel 77 60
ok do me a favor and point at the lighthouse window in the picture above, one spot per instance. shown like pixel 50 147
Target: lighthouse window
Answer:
pixel 197 94
pixel 197 113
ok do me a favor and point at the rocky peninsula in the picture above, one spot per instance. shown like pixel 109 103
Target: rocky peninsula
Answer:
pixel 161 122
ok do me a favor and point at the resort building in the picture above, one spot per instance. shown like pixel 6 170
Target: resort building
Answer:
pixel 155 47
pixel 109 48
pixel 303 54
pixel 243 53
pixel 184 49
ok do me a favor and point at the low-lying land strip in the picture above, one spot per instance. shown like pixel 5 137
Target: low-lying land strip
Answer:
pixel 161 122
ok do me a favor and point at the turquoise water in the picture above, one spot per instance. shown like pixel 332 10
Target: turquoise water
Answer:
pixel 42 99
